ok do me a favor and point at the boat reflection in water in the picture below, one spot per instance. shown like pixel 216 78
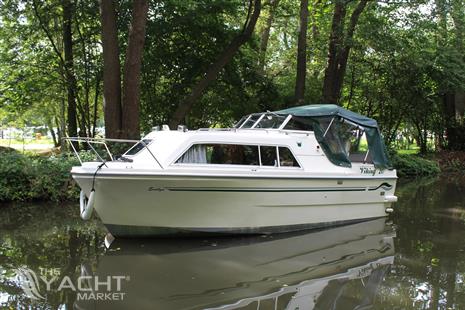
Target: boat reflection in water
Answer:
pixel 337 268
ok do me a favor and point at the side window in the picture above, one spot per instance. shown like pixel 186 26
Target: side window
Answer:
pixel 286 159
pixel 221 154
pixel 268 155
pixel 236 154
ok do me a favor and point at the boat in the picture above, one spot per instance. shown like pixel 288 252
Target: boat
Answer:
pixel 335 268
pixel 300 168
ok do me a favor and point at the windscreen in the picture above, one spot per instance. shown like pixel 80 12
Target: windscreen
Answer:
pixel 138 147
pixel 270 121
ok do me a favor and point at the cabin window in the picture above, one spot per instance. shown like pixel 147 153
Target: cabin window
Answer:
pixel 286 159
pixel 221 154
pixel 138 147
pixel 236 154
pixel 196 154
pixel 268 156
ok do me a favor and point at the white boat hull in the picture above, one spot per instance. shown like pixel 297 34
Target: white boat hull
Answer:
pixel 151 205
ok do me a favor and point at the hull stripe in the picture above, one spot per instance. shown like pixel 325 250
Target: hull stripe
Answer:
pixel 265 189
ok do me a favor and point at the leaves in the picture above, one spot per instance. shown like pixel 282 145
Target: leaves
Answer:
pixel 404 57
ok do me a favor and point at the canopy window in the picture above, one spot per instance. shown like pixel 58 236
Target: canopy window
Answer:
pixel 337 130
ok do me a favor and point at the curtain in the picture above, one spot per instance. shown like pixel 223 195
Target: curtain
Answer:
pixel 197 154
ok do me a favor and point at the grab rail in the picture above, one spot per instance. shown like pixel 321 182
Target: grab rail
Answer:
pixel 90 141
pixel 102 141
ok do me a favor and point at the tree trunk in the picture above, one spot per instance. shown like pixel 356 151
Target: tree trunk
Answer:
pixel 453 135
pixel 301 53
pixel 340 44
pixel 111 70
pixel 265 36
pixel 335 38
pixel 224 58
pixel 52 132
pixel 96 96
pixel 132 69
pixel 68 62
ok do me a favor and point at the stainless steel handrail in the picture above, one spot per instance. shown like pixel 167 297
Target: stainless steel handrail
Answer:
pixel 89 142
pixel 103 141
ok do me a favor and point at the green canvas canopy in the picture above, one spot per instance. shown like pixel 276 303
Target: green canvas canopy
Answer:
pixel 329 122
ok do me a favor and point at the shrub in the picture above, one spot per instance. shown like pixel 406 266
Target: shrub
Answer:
pixel 52 178
pixel 29 177
pixel 16 174
pixel 414 165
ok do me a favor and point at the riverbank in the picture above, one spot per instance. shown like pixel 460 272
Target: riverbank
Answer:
pixel 416 165
pixel 30 177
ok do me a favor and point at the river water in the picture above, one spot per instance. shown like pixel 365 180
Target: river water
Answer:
pixel 415 259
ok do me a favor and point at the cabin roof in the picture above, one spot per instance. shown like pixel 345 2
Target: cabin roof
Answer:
pixel 170 144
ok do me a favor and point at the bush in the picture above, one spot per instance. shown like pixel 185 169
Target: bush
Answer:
pixel 29 177
pixel 15 177
pixel 414 165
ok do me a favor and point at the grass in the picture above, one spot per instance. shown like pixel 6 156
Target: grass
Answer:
pixel 28 143
pixel 408 152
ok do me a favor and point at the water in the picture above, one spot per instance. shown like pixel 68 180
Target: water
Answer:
pixel 50 259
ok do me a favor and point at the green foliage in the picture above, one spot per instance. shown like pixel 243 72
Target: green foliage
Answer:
pixel 32 77
pixel 29 177
pixel 15 172
pixel 414 166
pixel 405 57
pixel 184 39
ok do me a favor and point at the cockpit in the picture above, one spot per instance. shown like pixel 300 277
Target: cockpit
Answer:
pixel 344 136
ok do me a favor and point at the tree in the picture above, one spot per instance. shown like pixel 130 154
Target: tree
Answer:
pixel 301 53
pixel 111 70
pixel 223 59
pixel 451 60
pixel 69 66
pixel 265 36
pixel 66 61
pixel 123 116
pixel 40 98
pixel 132 69
pixel 340 43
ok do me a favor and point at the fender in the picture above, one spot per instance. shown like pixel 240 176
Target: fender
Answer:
pixel 86 207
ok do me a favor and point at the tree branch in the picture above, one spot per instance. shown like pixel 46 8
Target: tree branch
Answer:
pixel 212 73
